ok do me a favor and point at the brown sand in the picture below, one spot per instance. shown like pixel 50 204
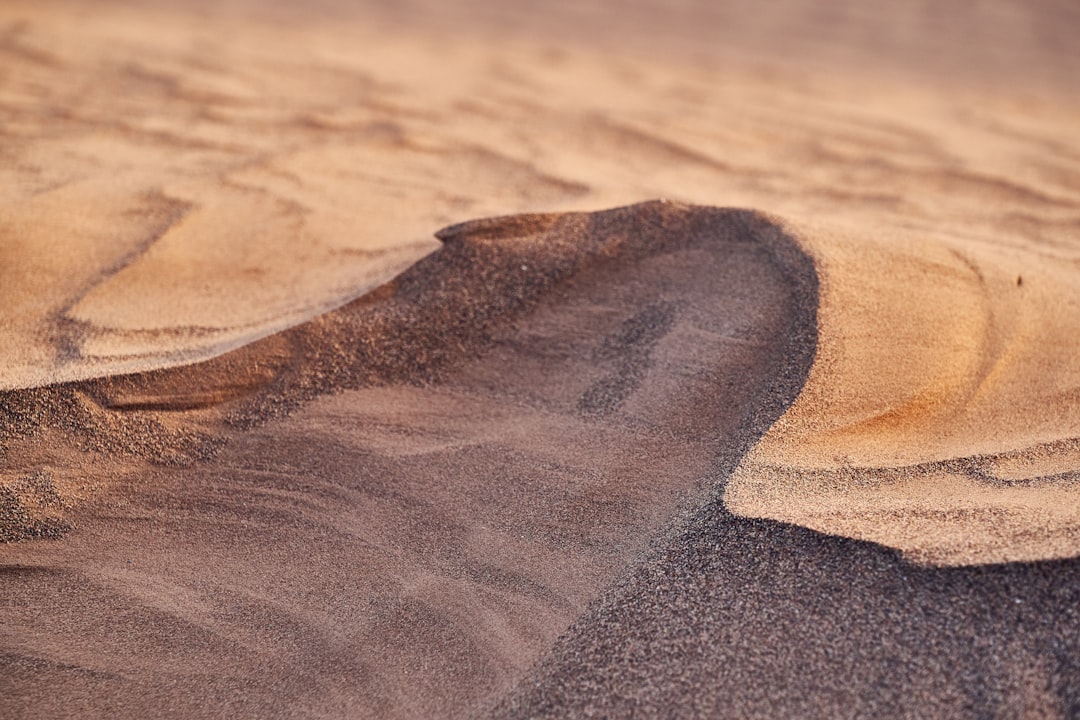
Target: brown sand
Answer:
pixel 402 547
pixel 395 508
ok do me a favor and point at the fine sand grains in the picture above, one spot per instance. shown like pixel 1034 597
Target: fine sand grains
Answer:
pixel 396 508
pixel 662 460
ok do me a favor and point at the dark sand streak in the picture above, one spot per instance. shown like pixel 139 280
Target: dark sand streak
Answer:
pixel 67 333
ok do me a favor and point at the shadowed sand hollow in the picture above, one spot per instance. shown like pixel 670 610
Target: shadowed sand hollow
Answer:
pixel 396 507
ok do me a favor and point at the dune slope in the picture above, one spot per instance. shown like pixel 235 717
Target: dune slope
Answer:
pixel 942 416
pixel 395 508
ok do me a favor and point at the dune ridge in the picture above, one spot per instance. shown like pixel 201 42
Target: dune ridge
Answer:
pixel 642 357
pixel 169 416
pixel 470 453
pixel 940 417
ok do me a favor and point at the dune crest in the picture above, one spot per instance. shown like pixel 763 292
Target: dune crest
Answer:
pixel 547 406
pixel 941 415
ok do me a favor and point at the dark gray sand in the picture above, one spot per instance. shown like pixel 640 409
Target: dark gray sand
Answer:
pixel 732 617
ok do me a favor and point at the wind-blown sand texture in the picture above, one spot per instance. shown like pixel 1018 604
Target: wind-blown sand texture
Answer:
pixel 270 449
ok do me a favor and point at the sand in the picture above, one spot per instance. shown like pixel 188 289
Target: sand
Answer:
pixel 507 424
pixel 268 447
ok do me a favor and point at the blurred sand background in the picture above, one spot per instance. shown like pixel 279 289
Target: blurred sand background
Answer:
pixel 184 181
pixel 141 139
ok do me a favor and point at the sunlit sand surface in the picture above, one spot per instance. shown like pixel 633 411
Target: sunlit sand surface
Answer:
pixel 758 396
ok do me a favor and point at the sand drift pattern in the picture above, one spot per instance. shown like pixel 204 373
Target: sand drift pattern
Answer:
pixel 426 487
pixel 419 490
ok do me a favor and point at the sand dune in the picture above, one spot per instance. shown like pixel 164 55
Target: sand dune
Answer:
pixel 507 422
pixel 269 448
pixel 510 419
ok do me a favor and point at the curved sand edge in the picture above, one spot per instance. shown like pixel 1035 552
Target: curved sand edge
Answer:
pixel 396 508
pixel 940 417
pixel 936 418
pixel 471 454
pixel 172 415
